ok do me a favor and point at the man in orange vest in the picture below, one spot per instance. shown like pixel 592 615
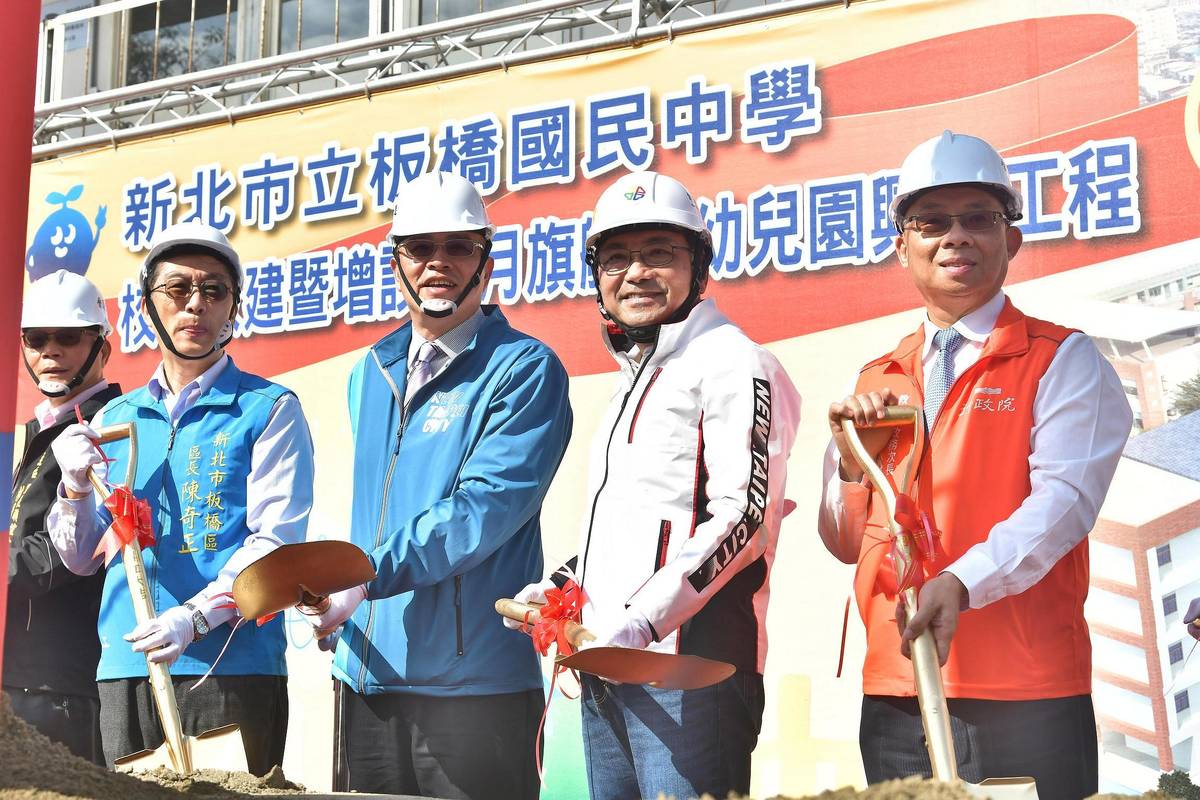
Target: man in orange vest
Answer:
pixel 1026 422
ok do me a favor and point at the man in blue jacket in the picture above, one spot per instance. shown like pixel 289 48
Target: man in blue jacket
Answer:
pixel 459 424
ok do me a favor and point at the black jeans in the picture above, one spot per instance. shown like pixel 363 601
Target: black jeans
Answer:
pixel 69 719
pixel 257 703
pixel 1052 741
pixel 475 747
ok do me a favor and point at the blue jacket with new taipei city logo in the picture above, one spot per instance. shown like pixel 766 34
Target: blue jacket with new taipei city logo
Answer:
pixel 447 498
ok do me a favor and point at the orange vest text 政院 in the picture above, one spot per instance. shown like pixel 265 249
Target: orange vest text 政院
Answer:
pixel 974 474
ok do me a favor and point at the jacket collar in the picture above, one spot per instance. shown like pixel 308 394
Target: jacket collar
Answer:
pixel 393 348
pixel 1010 337
pixel 674 336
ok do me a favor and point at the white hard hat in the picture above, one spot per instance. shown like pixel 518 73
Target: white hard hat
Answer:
pixel 641 198
pixel 199 235
pixel 951 159
pixel 64 299
pixel 439 202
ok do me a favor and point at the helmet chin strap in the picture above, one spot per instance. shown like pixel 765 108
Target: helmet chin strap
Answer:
pixel 59 389
pixel 645 334
pixel 439 308
pixel 165 339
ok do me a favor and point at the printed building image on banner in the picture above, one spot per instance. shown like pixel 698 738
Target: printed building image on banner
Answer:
pixel 790 133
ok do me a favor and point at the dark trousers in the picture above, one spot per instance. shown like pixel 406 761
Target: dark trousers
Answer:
pixel 1052 741
pixel 70 719
pixel 475 747
pixel 258 703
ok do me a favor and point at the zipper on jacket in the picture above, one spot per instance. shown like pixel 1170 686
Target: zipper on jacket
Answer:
pixel 641 401
pixel 458 612
pixel 607 449
pixel 664 541
pixel 387 485
pixel 171 438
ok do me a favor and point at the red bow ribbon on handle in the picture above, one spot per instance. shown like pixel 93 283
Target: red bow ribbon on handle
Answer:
pixel 562 606
pixel 924 538
pixel 131 523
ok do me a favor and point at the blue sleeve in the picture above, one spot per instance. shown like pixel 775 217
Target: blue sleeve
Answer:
pixel 500 487
pixel 354 394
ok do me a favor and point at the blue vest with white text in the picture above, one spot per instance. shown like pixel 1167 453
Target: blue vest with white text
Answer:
pixel 194 477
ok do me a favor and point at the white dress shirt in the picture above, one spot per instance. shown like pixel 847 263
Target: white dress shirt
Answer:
pixel 278 492
pixel 1081 421
pixel 49 415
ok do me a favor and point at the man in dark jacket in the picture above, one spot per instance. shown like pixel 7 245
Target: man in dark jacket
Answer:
pixel 50 642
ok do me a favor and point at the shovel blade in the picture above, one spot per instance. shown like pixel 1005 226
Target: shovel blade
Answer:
pixel 1003 789
pixel 661 670
pixel 219 748
pixel 280 579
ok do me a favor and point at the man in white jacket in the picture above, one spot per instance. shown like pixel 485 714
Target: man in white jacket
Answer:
pixel 685 498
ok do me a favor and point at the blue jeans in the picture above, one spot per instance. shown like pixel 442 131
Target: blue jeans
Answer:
pixel 639 741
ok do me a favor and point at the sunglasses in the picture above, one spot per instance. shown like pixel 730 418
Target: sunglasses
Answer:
pixel 938 224
pixel 63 337
pixel 181 290
pixel 425 249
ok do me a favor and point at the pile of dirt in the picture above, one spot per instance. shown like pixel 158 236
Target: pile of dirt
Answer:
pixel 34 768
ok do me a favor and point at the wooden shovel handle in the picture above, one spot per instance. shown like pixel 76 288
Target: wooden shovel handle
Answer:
pixel 528 612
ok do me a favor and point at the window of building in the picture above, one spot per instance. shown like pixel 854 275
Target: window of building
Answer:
pixel 1170 604
pixel 1164 555
pixel 1181 701
pixel 1175 652
pixel 167 39
pixel 315 23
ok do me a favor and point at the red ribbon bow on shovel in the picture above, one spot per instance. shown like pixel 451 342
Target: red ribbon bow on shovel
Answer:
pixel 562 606
pixel 131 523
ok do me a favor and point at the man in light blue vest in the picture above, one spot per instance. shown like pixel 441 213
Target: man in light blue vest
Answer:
pixel 459 424
pixel 226 463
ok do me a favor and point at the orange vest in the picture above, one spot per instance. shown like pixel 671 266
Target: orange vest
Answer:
pixel 973 475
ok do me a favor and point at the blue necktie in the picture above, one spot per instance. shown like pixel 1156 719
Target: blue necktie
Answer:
pixel 941 377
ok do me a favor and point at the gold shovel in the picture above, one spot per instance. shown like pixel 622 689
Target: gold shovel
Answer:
pixel 220 748
pixel 304 573
pixel 927 672
pixel 625 664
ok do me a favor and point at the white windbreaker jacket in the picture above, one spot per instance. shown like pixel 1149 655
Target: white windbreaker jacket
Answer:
pixel 685 490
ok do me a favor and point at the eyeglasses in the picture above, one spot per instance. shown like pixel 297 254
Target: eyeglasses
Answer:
pixel 615 262
pixel 181 290
pixel 425 249
pixel 938 224
pixel 63 337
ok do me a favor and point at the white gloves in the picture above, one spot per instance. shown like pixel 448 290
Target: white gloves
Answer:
pixel 629 629
pixel 332 612
pixel 168 634
pixel 534 593
pixel 75 450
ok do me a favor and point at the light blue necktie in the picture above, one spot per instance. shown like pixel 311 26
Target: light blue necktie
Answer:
pixel 424 367
pixel 941 377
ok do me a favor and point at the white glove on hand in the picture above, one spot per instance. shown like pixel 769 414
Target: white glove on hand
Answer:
pixel 327 616
pixel 75 450
pixel 535 594
pixel 630 629
pixel 167 635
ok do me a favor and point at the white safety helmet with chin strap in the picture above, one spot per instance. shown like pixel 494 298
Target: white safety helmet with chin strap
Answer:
pixel 64 299
pixel 649 200
pixel 191 237
pixel 441 202
pixel 954 159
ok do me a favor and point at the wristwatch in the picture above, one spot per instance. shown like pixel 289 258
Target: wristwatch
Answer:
pixel 199 622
